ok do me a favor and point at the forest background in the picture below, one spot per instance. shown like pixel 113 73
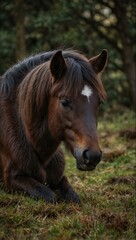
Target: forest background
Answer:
pixel 85 25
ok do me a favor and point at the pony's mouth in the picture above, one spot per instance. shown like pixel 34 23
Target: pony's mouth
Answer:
pixel 82 163
pixel 85 167
pixel 87 160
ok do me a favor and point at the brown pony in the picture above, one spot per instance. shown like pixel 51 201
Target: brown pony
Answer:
pixel 44 100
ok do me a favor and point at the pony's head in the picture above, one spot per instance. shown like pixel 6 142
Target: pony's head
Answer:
pixel 75 96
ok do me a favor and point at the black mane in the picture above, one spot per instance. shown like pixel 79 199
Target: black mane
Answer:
pixel 14 75
pixel 79 69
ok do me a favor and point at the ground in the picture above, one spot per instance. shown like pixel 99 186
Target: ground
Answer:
pixel 107 195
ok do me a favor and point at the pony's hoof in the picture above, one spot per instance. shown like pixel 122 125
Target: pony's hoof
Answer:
pixel 50 198
pixel 46 194
pixel 71 196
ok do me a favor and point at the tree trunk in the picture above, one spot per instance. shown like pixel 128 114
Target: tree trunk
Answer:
pixel 130 71
pixel 127 52
pixel 20 30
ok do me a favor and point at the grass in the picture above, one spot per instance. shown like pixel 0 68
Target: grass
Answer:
pixel 107 194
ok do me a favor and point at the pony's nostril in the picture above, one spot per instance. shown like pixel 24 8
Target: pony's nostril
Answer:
pixel 92 157
pixel 86 155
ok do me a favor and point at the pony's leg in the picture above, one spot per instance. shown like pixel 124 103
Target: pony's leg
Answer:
pixel 67 192
pixel 30 186
pixel 58 181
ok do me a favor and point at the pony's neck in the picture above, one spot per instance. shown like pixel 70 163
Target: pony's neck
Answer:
pixel 41 139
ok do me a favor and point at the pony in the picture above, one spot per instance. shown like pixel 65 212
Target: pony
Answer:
pixel 47 99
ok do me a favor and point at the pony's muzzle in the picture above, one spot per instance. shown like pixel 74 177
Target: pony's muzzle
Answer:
pixel 87 160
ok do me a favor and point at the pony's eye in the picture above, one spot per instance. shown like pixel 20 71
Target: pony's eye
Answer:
pixel 66 103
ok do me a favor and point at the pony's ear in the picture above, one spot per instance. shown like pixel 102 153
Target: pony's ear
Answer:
pixel 99 62
pixel 58 65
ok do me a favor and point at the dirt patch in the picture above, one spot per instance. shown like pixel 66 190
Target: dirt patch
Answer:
pixel 125 180
pixel 109 155
pixel 115 221
pixel 128 133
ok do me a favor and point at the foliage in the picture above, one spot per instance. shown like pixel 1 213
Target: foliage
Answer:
pixel 85 25
pixel 107 194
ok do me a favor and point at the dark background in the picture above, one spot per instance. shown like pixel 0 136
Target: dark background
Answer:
pixel 29 27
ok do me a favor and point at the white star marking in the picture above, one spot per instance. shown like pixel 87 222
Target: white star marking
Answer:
pixel 87 91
